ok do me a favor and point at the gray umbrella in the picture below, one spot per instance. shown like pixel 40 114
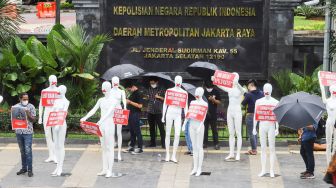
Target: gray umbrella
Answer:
pixel 123 71
pixel 202 69
pixel 299 110
pixel 191 90
pixel 163 78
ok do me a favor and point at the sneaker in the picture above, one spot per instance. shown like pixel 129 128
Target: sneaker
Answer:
pixel 137 151
pixel 30 174
pixel 217 147
pixel 188 153
pixel 252 152
pixel 307 175
pixel 302 173
pixel 22 171
pixel 129 150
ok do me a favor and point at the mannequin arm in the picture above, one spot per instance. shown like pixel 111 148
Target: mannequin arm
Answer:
pixel 124 101
pixel 186 107
pixel 164 109
pixel 323 92
pixel 241 88
pixel 276 128
pixel 40 112
pixel 92 111
pixel 254 120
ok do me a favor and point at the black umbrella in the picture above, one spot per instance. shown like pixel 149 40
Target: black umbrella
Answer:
pixel 299 110
pixel 163 78
pixel 191 90
pixel 123 71
pixel 202 69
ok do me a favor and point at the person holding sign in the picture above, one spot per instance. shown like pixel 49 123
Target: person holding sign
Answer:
pixel 268 127
pixel 196 115
pixel 120 96
pixel 325 79
pixel 234 114
pixel 60 106
pixel 48 97
pixel 175 100
pixel 24 136
pixel 107 127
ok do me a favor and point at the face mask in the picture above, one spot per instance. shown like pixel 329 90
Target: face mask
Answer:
pixel 209 89
pixel 153 85
pixel 24 103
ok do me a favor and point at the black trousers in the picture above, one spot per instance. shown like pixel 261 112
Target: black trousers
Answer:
pixel 134 127
pixel 154 121
pixel 210 122
pixel 307 153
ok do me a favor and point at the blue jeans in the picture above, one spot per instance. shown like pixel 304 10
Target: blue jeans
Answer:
pixel 134 127
pixel 249 126
pixel 25 145
pixel 187 137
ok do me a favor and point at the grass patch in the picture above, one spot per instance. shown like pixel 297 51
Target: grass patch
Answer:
pixel 300 23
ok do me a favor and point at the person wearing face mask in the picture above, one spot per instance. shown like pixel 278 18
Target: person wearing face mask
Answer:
pixel 25 136
pixel 154 111
pixel 214 99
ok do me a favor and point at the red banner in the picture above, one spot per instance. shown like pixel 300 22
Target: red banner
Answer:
pixel 327 78
pixel 265 113
pixel 56 118
pixel 90 128
pixel 18 118
pixel 197 112
pixel 120 116
pixel 222 78
pixel 175 98
pixel 48 97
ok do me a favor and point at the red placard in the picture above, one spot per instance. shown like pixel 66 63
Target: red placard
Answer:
pixel 265 113
pixel 48 98
pixel 18 118
pixel 120 116
pixel 90 128
pixel 222 78
pixel 175 98
pixel 197 112
pixel 56 118
pixel 327 78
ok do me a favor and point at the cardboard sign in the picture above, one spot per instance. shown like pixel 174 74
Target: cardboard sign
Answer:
pixel 90 128
pixel 175 98
pixel 120 116
pixel 18 118
pixel 222 78
pixel 265 113
pixel 56 118
pixel 48 98
pixel 197 112
pixel 327 78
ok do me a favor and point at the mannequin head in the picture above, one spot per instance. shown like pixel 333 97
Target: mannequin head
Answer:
pixel 52 81
pixel 332 90
pixel 268 90
pixel 236 78
pixel 1 98
pixel 106 87
pixel 199 93
pixel 62 90
pixel 115 82
pixel 178 81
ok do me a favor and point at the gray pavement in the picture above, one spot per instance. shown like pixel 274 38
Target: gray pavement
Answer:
pixel 82 162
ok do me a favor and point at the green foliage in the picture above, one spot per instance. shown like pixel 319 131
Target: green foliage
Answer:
pixel 309 11
pixel 67 5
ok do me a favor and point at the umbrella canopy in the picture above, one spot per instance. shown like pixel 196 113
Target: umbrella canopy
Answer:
pixel 163 78
pixel 299 110
pixel 123 71
pixel 191 90
pixel 202 69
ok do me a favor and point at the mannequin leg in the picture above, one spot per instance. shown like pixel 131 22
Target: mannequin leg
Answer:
pixel 192 132
pixel 109 149
pixel 199 141
pixel 334 142
pixel 271 143
pixel 263 143
pixel 232 139
pixel 119 135
pixel 55 134
pixel 238 126
pixel 60 149
pixel 169 123
pixel 104 155
pixel 177 128
pixel 329 134
pixel 50 143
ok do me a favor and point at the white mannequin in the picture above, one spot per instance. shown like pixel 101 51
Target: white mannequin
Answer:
pixel 120 96
pixel 331 110
pixel 59 132
pixel 234 116
pixel 197 134
pixel 267 129
pixel 107 128
pixel 43 118
pixel 173 115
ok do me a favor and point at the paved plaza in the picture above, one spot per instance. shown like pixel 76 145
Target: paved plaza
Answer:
pixel 82 162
